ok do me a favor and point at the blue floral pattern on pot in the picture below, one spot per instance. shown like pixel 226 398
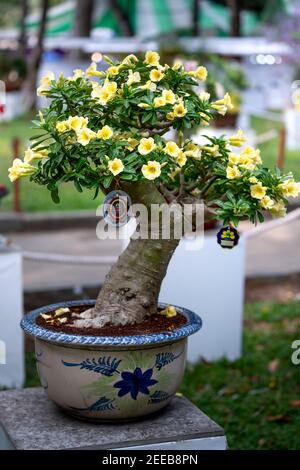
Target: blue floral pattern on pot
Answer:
pixel 130 383
pixel 135 382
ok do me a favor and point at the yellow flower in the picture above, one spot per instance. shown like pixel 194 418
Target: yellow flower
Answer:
pixel 77 122
pixel 238 139
pixel 146 146
pixel 156 75
pixel 169 96
pixel 115 166
pixel 133 77
pixel 253 180
pixel 148 86
pixel 179 110
pixel 102 95
pixel 35 154
pixel 253 154
pixel 170 116
pixel 278 210
pixel 233 159
pixel 152 58
pixel 221 106
pixel 213 150
pixel 85 135
pixel 290 188
pixel 181 159
pixel 247 162
pixel 144 105
pixel 177 65
pixel 105 133
pixel 200 73
pixel 151 170
pixel 232 172
pixel 132 143
pixel 62 126
pixel 19 169
pixel 130 60
pixel 192 150
pixel 159 101
pixel 267 203
pixel 204 96
pixel 172 149
pixel 169 311
pixel 258 191
pixel 113 70
pixel 47 79
pixel 45 83
pixel 92 71
pixel 77 73
pixel 111 87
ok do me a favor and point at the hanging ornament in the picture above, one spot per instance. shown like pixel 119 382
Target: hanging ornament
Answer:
pixel 117 208
pixel 228 237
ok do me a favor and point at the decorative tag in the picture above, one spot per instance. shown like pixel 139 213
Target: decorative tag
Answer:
pixel 116 208
pixel 228 237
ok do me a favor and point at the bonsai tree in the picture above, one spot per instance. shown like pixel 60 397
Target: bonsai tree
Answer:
pixel 104 130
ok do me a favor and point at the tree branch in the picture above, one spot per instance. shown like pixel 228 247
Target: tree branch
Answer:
pixel 207 185
pixel 168 195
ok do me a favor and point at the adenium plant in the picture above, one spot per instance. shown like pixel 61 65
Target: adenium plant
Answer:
pixel 105 130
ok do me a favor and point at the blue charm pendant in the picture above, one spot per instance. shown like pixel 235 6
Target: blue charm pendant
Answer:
pixel 228 237
pixel 117 208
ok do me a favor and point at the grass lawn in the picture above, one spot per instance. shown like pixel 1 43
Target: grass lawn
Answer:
pixel 269 150
pixel 256 398
pixel 35 198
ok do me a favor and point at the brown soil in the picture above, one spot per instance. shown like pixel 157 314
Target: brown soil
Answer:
pixel 154 324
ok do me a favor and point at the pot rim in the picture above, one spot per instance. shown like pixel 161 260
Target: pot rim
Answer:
pixel 30 327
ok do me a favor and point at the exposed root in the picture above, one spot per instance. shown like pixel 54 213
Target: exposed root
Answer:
pixel 114 313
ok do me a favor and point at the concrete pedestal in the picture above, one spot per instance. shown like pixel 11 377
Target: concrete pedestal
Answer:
pixel 29 421
pixel 11 335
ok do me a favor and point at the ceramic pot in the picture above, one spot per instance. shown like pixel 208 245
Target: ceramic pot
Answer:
pixel 110 378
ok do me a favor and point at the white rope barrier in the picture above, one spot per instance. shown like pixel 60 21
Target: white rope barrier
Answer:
pixel 273 224
pixel 68 259
pixel 265 137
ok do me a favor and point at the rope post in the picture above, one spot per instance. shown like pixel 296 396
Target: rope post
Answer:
pixel 16 184
pixel 281 148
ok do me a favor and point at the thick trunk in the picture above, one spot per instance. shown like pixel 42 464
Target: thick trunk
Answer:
pixel 131 289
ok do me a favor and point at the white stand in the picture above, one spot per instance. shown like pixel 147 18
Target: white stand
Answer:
pixel 14 106
pixel 292 124
pixel 11 336
pixel 210 282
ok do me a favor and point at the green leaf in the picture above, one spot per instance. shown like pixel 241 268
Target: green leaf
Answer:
pixel 260 217
pixel 127 176
pixel 107 181
pixel 55 196
pixel 77 186
pixel 96 192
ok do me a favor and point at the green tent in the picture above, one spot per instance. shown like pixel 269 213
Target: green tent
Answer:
pixel 147 18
